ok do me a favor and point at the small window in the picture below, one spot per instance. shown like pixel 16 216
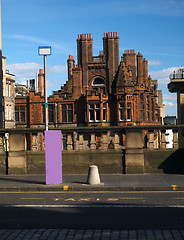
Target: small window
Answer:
pixel 10 112
pixel 43 113
pixel 7 89
pixel 64 113
pixel 147 108
pixel 91 113
pixel 7 112
pixel 141 107
pixel 70 113
pixel 22 114
pixel 51 113
pixel 67 113
pixel 121 112
pixel 104 112
pixel 97 112
pixel 152 106
pixel 129 112
pixel 19 113
pixel 157 115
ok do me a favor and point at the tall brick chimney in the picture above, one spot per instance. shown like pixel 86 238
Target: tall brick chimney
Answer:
pixel 84 49
pixel 85 55
pixel 71 64
pixel 41 82
pixel 111 54
pixel 139 68
pixel 130 60
pixel 145 72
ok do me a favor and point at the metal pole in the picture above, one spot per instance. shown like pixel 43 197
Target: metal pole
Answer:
pixel 45 84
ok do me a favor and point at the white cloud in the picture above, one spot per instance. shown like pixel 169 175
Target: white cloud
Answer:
pixel 56 69
pixel 170 96
pixel 154 62
pixel 169 104
pixel 26 71
pixel 38 41
pixel 163 75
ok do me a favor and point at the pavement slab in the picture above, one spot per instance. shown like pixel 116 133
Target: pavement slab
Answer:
pixel 76 234
pixel 118 182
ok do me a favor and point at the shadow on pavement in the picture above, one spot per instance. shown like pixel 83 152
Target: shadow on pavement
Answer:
pixel 174 164
pixel 92 217
pixel 7 179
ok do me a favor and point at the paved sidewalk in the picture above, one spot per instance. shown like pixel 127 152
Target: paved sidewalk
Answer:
pixel 128 182
pixel 72 234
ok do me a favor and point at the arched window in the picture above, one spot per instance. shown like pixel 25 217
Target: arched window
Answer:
pixel 98 82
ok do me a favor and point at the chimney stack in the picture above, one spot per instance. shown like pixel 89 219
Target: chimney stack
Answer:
pixel 41 82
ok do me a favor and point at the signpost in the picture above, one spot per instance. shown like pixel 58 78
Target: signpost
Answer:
pixel 1 80
pixel 44 51
pixel 53 154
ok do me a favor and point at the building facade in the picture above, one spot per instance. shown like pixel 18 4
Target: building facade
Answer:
pixel 8 97
pixel 100 91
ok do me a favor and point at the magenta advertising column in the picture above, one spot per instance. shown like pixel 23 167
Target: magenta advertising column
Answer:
pixel 53 157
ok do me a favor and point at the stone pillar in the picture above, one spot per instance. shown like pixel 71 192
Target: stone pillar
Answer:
pixel 34 142
pixel 134 156
pixel 69 142
pixel 163 140
pixel 180 103
pixel 116 141
pixel 74 140
pixel 17 153
pixel 151 139
pixel 2 147
pixel 39 141
pixel 175 139
pixel 93 141
pixel 104 141
pixel 43 142
pixel 81 142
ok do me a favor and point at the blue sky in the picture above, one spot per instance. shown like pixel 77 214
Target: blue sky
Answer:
pixel 152 27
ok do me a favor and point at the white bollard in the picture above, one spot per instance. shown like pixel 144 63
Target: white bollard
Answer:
pixel 93 175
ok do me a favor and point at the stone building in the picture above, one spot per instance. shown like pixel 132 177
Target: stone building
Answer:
pixel 176 85
pixel 100 91
pixel 8 96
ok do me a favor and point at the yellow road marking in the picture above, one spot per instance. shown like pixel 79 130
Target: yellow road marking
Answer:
pixel 84 199
pixel 112 199
pixel 70 199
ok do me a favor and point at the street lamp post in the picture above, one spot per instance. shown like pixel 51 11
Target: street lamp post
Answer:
pixel 44 51
pixel 1 79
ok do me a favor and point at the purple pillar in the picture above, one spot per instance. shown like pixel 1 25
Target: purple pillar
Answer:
pixel 53 157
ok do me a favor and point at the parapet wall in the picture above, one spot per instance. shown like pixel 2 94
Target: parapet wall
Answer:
pixel 108 162
pixel 129 151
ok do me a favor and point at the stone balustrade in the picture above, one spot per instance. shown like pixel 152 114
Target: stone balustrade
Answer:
pixel 101 138
pixel 127 143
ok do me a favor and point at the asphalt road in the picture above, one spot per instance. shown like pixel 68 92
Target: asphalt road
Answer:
pixel 90 210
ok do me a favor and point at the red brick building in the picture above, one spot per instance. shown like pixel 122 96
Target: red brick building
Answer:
pixel 100 91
